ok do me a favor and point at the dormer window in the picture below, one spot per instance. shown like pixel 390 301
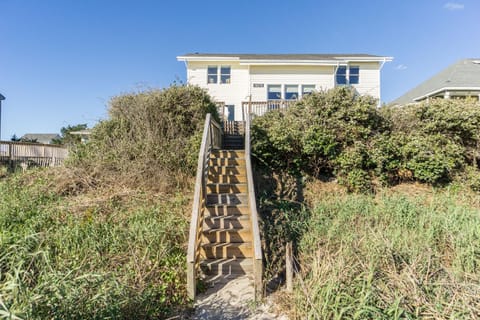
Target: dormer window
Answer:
pixel 347 75
pixel 214 73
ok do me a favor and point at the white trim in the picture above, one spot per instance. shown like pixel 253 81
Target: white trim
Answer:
pixel 333 61
pixel 200 58
pixel 445 89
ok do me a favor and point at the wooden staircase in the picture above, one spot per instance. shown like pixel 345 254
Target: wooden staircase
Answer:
pixel 227 233
pixel 224 238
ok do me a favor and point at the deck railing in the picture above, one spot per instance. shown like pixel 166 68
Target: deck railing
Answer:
pixel 259 108
pixel 211 139
pixel 31 154
pixel 257 245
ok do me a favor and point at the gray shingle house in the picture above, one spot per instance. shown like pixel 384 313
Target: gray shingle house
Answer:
pixel 460 80
pixel 45 138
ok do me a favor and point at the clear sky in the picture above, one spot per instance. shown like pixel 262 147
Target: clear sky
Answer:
pixel 62 60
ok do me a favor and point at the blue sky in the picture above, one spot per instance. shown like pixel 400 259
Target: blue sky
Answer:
pixel 62 60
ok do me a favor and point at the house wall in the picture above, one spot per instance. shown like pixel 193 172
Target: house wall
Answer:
pixel 320 76
pixel 232 93
pixel 369 83
pixel 254 80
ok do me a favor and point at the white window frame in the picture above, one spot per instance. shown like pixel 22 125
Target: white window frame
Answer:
pixel 347 75
pixel 218 74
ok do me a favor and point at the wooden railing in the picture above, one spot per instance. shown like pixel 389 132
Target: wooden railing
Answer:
pixel 31 154
pixel 257 245
pixel 211 139
pixel 259 108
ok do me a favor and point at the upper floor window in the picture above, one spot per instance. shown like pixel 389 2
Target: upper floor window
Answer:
pixel 225 74
pixel 291 91
pixel 274 92
pixel 347 75
pixel 214 73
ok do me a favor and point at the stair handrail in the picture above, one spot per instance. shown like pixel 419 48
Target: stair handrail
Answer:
pixel 211 138
pixel 257 245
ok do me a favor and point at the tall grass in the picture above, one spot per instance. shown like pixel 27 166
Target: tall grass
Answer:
pixel 390 256
pixel 111 257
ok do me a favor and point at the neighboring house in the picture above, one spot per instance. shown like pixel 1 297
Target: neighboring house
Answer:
pixel 45 138
pixel 84 134
pixel 234 79
pixel 460 80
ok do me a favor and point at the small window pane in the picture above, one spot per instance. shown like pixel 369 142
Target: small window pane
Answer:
pixel 274 92
pixel 354 79
pixel 291 91
pixel 212 76
pixel 307 89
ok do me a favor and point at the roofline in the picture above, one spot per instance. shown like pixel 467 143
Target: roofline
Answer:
pixel 334 61
pixel 445 89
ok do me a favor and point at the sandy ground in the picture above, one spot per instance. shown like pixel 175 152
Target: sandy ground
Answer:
pixel 233 300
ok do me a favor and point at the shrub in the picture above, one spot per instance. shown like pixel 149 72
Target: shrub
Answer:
pixel 341 134
pixel 150 137
pixel 321 134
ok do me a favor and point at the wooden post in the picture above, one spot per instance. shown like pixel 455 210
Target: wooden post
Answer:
pixel 289 267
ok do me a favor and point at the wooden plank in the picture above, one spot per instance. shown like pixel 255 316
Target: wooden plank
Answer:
pixel 257 246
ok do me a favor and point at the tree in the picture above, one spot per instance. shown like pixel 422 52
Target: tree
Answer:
pixel 67 138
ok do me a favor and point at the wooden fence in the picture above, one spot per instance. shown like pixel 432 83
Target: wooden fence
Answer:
pixel 31 154
pixel 259 108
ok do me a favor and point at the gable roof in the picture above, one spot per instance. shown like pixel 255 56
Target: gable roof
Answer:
pixel 462 75
pixel 283 58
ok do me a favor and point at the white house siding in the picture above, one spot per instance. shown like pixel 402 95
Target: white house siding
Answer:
pixel 232 93
pixel 254 80
pixel 320 76
pixel 369 83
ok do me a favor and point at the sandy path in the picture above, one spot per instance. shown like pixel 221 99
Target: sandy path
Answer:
pixel 233 301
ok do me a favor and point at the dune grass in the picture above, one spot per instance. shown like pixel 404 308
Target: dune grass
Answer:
pixel 111 254
pixel 390 256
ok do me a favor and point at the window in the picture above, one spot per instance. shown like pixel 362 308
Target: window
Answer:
pixel 225 74
pixel 341 75
pixel 354 75
pixel 291 91
pixel 347 75
pixel 212 74
pixel 307 89
pixel 274 92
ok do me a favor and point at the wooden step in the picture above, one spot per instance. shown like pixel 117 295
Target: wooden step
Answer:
pixel 227 162
pixel 227 266
pixel 224 210
pixel 216 188
pixel 228 153
pixel 227 178
pixel 226 250
pixel 227 198
pixel 226 222
pixel 227 235
pixel 227 170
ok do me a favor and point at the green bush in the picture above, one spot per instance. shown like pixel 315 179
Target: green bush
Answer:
pixel 341 134
pixel 150 136
pixel 318 135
